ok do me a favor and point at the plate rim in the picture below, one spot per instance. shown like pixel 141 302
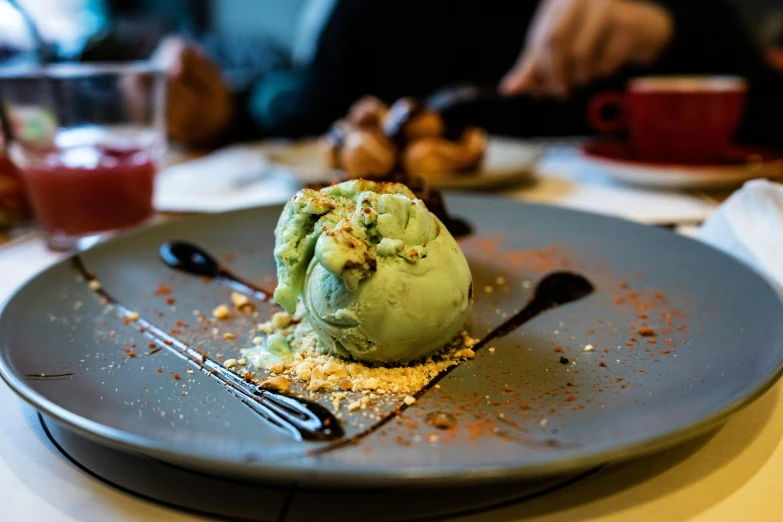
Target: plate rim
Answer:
pixel 290 469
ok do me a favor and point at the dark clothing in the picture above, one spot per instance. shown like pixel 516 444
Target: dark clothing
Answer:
pixel 401 48
pixel 395 48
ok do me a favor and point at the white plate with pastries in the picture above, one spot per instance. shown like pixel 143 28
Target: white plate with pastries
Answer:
pixel 508 161
pixel 375 140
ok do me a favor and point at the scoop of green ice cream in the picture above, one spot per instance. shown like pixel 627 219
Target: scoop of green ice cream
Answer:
pixel 380 277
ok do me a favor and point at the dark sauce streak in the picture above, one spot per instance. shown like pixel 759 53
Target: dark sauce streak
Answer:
pixel 48 376
pixel 552 291
pixel 556 289
pixel 302 419
pixel 189 258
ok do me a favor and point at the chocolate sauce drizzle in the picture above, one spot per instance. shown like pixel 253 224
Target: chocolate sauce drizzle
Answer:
pixel 556 289
pixel 302 419
pixel 48 376
pixel 189 258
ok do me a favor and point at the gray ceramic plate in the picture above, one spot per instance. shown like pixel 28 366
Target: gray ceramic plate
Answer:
pixel 575 387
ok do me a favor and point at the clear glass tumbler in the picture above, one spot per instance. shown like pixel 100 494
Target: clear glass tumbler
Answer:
pixel 87 139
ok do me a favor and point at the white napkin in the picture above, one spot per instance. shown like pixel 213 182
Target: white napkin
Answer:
pixel 236 177
pixel 749 226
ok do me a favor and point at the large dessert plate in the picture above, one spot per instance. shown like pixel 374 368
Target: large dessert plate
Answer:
pixel 676 337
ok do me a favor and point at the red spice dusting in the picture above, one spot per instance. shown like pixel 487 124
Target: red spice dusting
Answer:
pixel 524 406
pixel 402 441
pixel 603 364
pixel 664 352
pixel 474 430
pixel 559 349
pixel 176 376
pixel 642 315
pixel 619 379
pixel 624 285
pixel 167 342
pixel 160 370
pixel 509 389
pixel 652 341
pixel 162 290
pixel 170 300
pixel 151 345
pixel 646 332
pixel 570 398
pixel 641 371
pixel 629 344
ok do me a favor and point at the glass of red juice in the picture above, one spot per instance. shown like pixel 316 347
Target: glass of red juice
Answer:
pixel 87 139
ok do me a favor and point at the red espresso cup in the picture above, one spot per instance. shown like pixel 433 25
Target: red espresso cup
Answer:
pixel 676 118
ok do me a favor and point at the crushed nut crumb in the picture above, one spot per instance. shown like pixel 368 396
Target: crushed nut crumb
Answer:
pixel 221 312
pixel 277 383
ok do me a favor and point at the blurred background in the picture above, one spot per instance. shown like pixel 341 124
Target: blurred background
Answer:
pixel 287 29
pixel 250 70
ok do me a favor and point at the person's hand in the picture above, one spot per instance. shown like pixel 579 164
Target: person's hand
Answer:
pixel 572 42
pixel 198 103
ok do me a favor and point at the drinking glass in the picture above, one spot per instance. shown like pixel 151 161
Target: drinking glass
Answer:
pixel 87 140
